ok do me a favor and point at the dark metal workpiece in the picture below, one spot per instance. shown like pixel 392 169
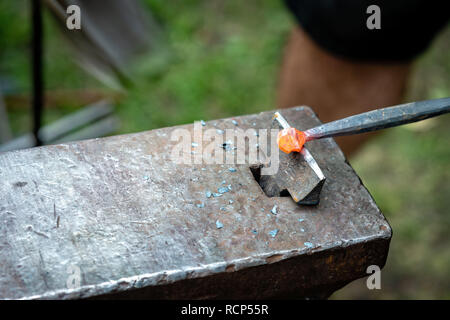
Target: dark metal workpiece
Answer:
pixel 298 174
pixel 381 119
pixel 133 222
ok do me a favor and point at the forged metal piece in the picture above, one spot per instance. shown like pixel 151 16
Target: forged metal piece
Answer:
pixel 116 217
pixel 37 69
pixel 299 174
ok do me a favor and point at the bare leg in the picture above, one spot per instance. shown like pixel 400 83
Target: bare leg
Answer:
pixel 335 87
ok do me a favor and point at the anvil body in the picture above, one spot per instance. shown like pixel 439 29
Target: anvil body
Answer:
pixel 115 217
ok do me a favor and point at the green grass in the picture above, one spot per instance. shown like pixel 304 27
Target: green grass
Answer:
pixel 218 61
pixel 221 58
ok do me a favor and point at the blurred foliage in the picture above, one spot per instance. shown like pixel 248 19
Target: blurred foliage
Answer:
pixel 407 171
pixel 221 58
pixel 222 62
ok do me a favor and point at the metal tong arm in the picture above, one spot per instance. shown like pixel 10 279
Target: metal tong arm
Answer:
pixel 380 119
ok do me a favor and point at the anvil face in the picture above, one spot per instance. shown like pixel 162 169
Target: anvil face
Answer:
pixel 136 224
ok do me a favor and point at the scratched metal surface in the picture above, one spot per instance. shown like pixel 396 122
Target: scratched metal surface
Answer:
pixel 120 210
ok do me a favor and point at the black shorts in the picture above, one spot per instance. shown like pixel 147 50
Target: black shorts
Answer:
pixel 340 26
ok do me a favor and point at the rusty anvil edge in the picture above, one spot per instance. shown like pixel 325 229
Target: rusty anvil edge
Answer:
pixel 149 286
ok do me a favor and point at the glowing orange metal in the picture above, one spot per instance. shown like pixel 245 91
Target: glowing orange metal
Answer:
pixel 290 140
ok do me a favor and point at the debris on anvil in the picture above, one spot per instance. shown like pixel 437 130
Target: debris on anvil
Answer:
pixel 274 209
pixel 291 140
pixel 273 233
pixel 308 244
pixel 223 189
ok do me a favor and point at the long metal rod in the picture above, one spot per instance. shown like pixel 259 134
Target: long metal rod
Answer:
pixel 381 119
pixel 38 81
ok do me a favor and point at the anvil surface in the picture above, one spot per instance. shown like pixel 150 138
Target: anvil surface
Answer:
pixel 131 221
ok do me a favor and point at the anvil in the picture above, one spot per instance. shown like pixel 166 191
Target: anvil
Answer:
pixel 115 217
